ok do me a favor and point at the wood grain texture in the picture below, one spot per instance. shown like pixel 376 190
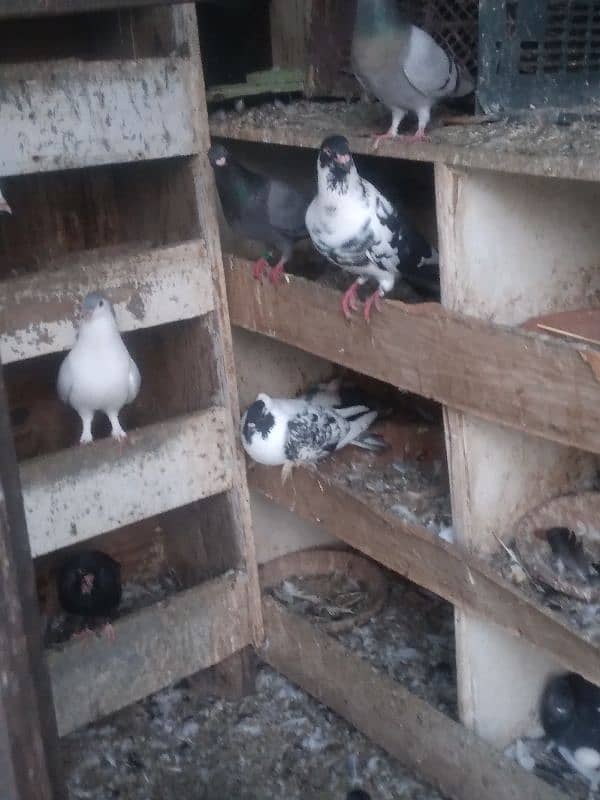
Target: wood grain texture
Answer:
pixel 82 492
pixel 417 554
pixel 10 9
pixel 154 647
pixel 30 764
pixel 73 114
pixel 528 382
pixel 147 288
pixel 438 749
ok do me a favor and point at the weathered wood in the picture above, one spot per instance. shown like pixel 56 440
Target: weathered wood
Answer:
pixel 154 647
pixel 82 492
pixel 30 766
pixel 417 554
pixel 438 749
pixel 10 9
pixel 74 114
pixel 147 287
pixel 289 30
pixel 547 388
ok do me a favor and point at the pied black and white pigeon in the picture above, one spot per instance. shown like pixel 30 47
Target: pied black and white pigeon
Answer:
pixel 402 65
pixel 98 374
pixel 356 228
pixel 4 207
pixel 266 210
pixel 295 432
pixel 570 714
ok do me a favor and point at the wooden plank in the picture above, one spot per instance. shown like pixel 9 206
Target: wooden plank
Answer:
pixel 30 763
pixel 68 114
pixel 84 491
pixel 414 552
pixel 154 647
pixel 547 387
pixel 10 9
pixel 436 748
pixel 148 287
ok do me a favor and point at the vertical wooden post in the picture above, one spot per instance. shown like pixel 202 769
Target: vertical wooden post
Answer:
pixel 29 748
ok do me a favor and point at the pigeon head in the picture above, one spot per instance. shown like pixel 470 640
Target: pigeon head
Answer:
pixel 558 705
pixel 335 154
pixel 96 306
pixel 258 419
pixel 218 156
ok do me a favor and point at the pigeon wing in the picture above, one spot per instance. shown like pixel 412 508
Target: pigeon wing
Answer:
pixel 65 380
pixel 286 210
pixel 134 381
pixel 313 433
pixel 427 67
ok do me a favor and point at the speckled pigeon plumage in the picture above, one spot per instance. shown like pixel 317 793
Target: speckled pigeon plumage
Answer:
pixel 402 65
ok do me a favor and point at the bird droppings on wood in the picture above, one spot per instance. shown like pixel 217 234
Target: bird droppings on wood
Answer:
pixel 537 755
pixel 276 743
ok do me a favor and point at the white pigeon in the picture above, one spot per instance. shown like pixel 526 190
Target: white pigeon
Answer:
pixel 98 374
pixel 295 432
pixel 354 226
pixel 4 207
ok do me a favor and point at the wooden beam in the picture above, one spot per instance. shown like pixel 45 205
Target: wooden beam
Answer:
pixel 154 647
pixel 11 9
pixel 70 114
pixel 30 763
pixel 529 382
pixel 84 491
pixel 414 552
pixel 438 749
pixel 148 287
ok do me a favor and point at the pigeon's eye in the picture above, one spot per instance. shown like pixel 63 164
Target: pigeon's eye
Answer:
pixel 101 303
pixel 328 151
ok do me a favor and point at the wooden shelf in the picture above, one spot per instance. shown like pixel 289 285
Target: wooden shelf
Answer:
pixel 85 491
pixel 357 518
pixel 148 287
pixel 442 751
pixel 529 382
pixel 70 114
pixel 571 152
pixel 189 631
pixel 10 9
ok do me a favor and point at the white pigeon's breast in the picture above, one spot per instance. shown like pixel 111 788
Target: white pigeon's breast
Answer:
pixel 100 377
pixel 337 224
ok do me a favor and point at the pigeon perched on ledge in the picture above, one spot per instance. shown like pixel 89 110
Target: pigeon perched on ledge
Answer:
pixel 89 585
pixel 402 65
pixel 356 228
pixel 98 374
pixel 263 209
pixel 294 432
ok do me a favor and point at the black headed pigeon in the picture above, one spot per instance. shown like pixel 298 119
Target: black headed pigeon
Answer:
pixel 353 225
pixel 98 374
pixel 268 211
pixel 402 65
pixel 89 584
pixel 570 714
pixel 293 432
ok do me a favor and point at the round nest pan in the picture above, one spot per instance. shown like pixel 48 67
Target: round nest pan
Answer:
pixel 567 561
pixel 333 588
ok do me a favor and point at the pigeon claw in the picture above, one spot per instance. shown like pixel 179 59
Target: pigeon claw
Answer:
pixel 350 301
pixel 419 136
pixel 378 138
pixel 277 273
pixel 109 632
pixel 259 267
pixel 374 300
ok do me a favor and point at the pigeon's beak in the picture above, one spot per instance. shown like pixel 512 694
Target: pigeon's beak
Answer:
pixel 221 162
pixel 344 161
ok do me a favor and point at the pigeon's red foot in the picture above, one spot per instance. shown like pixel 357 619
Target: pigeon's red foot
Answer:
pixel 419 136
pixel 109 632
pixel 350 300
pixel 379 137
pixel 277 273
pixel 259 267
pixel 374 300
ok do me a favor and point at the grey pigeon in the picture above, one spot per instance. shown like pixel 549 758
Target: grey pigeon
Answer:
pixel 269 211
pixel 4 207
pixel 289 432
pixel 354 226
pixel 402 65
pixel 98 374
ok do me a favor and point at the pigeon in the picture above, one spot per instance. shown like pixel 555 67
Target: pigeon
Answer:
pixel 4 207
pixel 402 65
pixel 294 432
pixel 260 208
pixel 569 555
pixel 358 794
pixel 570 714
pixel 98 374
pixel 356 228
pixel 89 584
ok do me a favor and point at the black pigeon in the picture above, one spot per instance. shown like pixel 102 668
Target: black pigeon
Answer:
pixel 354 226
pixel 569 555
pixel 89 584
pixel 570 714
pixel 269 211
pixel 358 794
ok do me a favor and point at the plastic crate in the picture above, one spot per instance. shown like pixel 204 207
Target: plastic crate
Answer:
pixel 539 54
